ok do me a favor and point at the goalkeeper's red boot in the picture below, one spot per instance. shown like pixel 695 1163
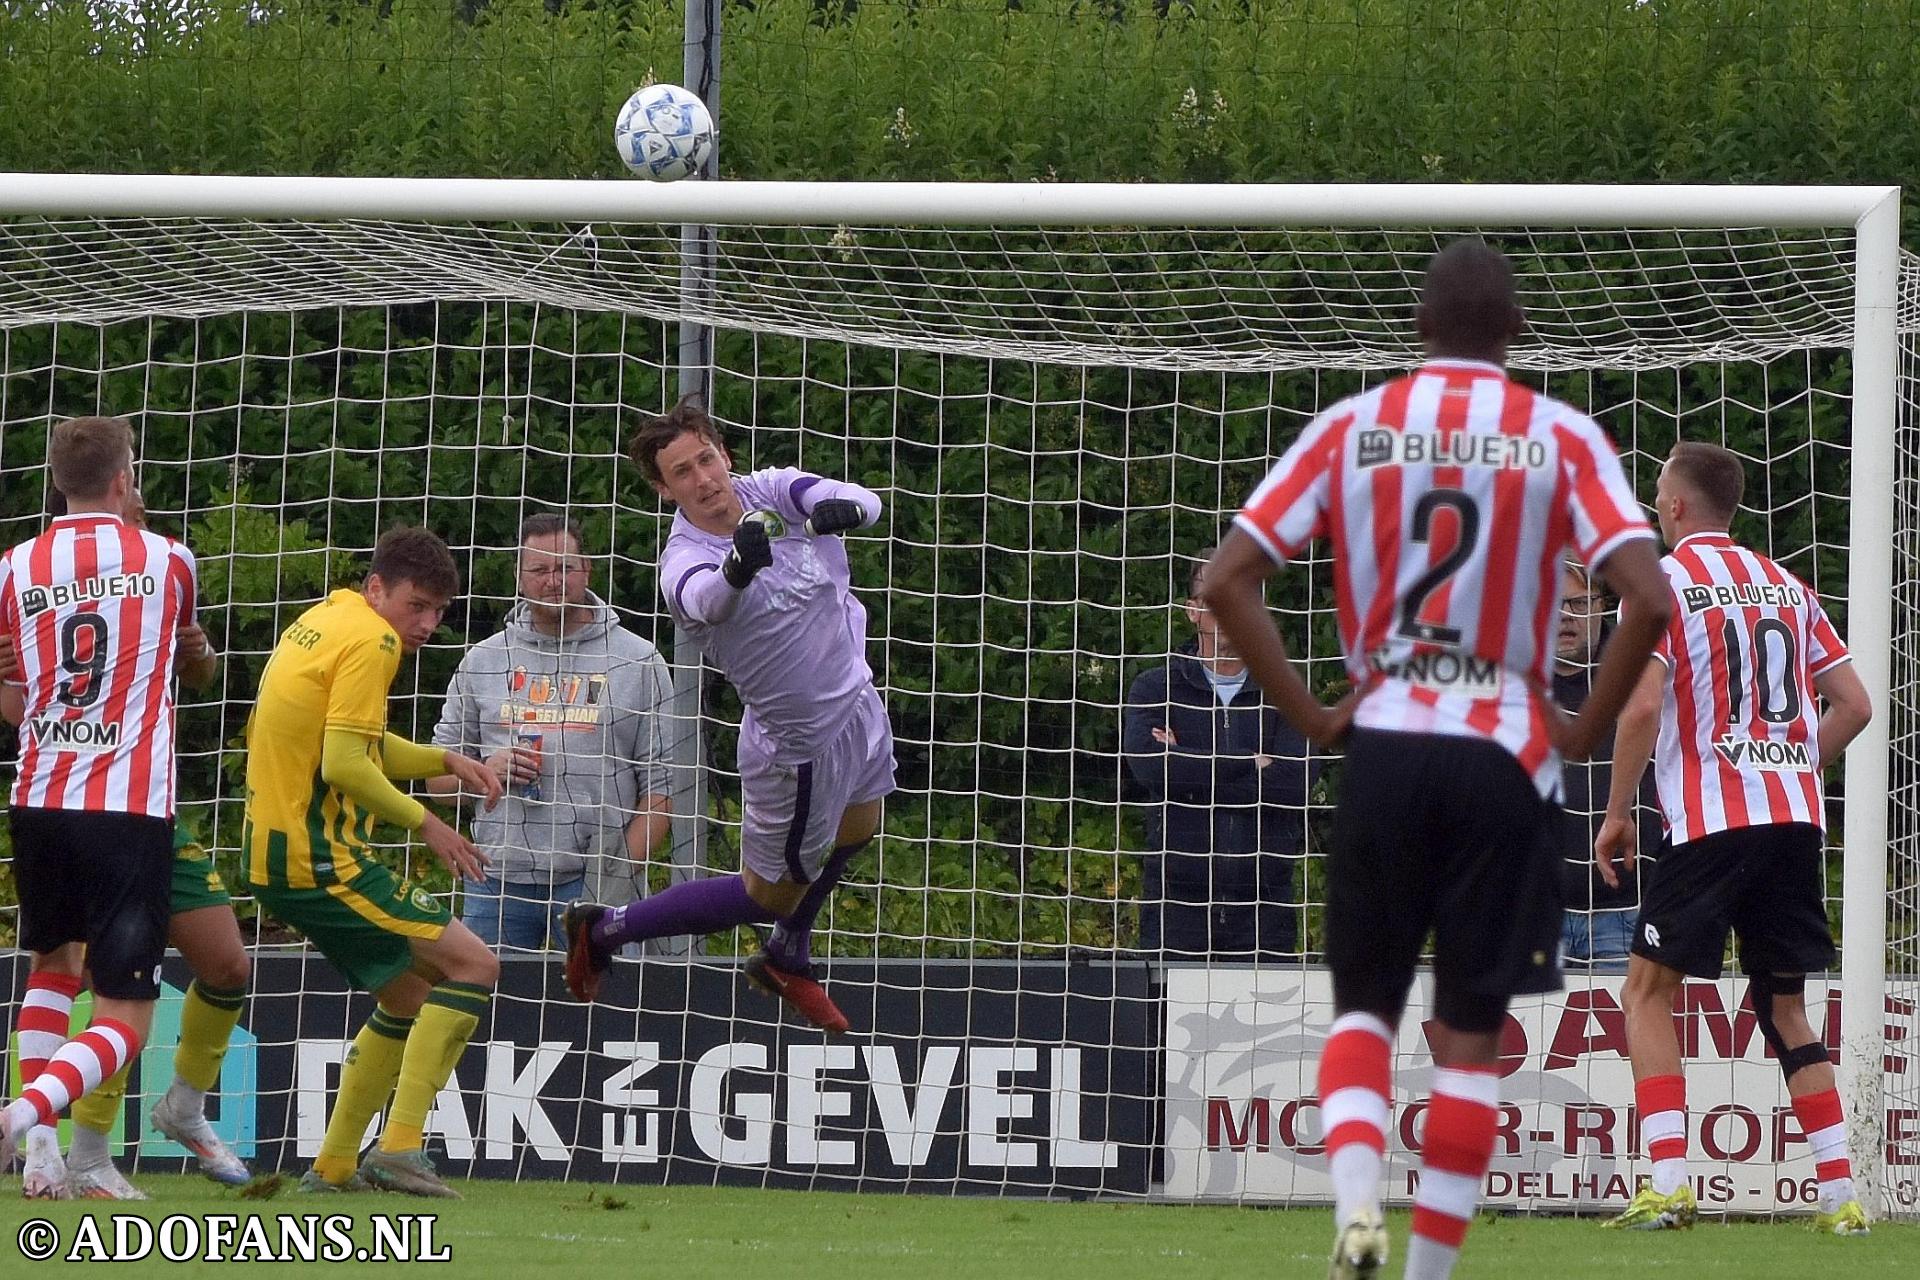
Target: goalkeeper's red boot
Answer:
pixel 585 961
pixel 808 997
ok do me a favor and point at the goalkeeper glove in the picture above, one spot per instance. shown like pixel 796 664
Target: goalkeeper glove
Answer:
pixel 835 515
pixel 752 552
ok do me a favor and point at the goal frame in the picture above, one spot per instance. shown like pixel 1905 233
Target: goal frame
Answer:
pixel 1872 212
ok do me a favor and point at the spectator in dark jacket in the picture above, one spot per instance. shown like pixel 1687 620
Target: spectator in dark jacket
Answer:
pixel 1228 781
pixel 1598 927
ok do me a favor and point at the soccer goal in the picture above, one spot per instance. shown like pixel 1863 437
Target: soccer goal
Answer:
pixel 1062 392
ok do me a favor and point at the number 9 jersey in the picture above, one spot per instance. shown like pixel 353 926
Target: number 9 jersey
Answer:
pixel 1739 726
pixel 91 606
pixel 1452 498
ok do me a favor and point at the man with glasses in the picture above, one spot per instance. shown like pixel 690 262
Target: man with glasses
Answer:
pixel 1598 926
pixel 1228 781
pixel 570 710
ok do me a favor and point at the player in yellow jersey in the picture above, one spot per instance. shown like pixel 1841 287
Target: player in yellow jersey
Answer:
pixel 319 768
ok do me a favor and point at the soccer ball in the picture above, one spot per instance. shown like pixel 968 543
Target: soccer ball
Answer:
pixel 663 133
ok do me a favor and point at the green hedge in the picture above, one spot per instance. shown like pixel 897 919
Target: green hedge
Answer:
pixel 1311 90
pixel 1303 91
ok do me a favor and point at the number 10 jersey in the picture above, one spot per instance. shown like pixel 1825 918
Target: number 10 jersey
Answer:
pixel 91 606
pixel 1739 727
pixel 1451 498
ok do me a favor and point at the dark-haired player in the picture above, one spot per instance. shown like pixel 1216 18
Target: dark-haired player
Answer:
pixel 1451 498
pixel 319 767
pixel 755 570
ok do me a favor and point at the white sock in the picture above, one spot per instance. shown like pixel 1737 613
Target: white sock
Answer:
pixel 1668 1175
pixel 1356 1181
pixel 1836 1193
pixel 22 1116
pixel 1428 1259
pixel 184 1100
pixel 89 1149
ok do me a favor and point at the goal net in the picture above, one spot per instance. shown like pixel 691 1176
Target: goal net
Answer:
pixel 1062 394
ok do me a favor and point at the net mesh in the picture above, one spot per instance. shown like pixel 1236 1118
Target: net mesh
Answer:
pixel 1237 299
pixel 1060 423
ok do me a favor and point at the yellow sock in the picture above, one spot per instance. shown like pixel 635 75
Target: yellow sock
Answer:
pixel 207 1019
pixel 100 1106
pixel 366 1081
pixel 439 1037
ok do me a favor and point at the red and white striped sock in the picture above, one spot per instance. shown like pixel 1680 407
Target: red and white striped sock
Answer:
pixel 1356 1081
pixel 46 1014
pixel 1462 1118
pixel 81 1063
pixel 1824 1123
pixel 1663 1128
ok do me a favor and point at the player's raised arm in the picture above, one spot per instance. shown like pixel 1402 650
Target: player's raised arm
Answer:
pixel 825 506
pixel 704 590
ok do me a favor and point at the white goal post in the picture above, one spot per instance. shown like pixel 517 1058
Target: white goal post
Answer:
pixel 925 268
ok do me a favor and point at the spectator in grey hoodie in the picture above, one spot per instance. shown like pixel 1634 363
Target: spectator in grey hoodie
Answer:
pixel 571 710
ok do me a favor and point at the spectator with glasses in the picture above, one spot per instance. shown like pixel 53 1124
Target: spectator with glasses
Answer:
pixel 571 711
pixel 1598 926
pixel 1228 781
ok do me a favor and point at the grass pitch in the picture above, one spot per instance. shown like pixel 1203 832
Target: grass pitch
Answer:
pixel 689 1233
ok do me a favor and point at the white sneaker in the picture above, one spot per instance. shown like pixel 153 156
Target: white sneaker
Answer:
pixel 45 1174
pixel 101 1182
pixel 193 1132
pixel 1360 1250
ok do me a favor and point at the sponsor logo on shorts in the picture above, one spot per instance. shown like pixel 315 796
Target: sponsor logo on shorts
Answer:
pixel 1379 448
pixel 1653 935
pixel 1764 754
pixel 1444 669
pixel 122 586
pixel 84 737
pixel 1748 595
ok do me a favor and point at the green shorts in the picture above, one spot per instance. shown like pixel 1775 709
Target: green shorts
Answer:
pixel 196 881
pixel 365 926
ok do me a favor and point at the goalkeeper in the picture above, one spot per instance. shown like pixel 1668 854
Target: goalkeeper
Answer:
pixel 318 762
pixel 754 572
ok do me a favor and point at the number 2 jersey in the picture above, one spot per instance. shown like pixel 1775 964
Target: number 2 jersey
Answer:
pixel 1452 498
pixel 1739 726
pixel 91 606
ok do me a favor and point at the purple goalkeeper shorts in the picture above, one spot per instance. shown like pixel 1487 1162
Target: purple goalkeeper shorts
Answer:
pixel 793 810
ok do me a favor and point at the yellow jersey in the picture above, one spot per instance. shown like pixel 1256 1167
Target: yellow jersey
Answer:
pixel 331 670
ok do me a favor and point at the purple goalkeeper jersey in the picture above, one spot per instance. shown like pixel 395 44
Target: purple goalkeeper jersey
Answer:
pixel 794 643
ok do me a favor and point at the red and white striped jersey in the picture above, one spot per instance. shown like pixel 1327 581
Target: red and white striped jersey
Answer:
pixel 91 606
pixel 1739 741
pixel 1452 497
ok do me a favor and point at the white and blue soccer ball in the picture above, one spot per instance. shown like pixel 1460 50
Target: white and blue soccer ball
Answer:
pixel 663 133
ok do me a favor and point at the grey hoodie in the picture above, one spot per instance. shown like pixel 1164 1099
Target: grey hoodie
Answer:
pixel 600 699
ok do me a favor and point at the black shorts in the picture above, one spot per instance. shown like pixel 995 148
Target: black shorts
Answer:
pixel 1443 835
pixel 104 879
pixel 1765 883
